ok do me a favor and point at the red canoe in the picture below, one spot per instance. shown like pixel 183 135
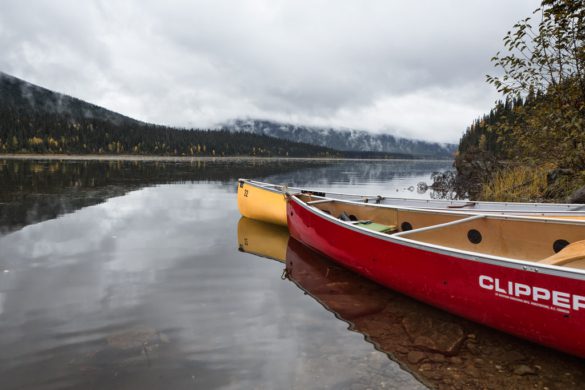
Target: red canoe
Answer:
pixel 524 276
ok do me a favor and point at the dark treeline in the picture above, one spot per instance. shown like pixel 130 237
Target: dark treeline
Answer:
pixel 36 120
pixel 27 131
pixel 486 135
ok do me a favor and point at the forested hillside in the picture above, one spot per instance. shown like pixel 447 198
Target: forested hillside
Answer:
pixel 531 146
pixel 37 120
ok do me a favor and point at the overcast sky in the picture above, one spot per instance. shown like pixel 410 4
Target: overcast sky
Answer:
pixel 410 68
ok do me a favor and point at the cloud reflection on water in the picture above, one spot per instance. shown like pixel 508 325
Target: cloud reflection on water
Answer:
pixel 164 257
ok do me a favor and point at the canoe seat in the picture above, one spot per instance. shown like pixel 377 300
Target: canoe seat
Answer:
pixel 570 253
pixel 377 227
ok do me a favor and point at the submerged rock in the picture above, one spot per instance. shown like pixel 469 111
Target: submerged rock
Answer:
pixel 132 338
pixel 135 345
pixel 415 356
pixel 442 337
pixel 524 370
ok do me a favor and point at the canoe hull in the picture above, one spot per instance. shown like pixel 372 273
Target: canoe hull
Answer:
pixel 261 204
pixel 544 308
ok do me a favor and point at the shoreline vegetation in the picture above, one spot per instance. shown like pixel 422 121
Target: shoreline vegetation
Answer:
pixel 131 157
pixel 531 146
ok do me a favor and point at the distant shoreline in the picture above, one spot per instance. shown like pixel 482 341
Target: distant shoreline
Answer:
pixel 130 157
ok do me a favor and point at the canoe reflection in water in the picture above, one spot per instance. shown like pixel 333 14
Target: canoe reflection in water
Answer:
pixel 441 350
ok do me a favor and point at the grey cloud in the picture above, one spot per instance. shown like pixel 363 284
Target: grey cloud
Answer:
pixel 319 62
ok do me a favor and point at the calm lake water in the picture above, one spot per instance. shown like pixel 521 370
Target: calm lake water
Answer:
pixel 142 275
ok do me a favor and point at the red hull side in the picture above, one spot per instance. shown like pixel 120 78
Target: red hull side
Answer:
pixel 490 294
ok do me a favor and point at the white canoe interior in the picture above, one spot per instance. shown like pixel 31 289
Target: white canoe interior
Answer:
pixel 558 242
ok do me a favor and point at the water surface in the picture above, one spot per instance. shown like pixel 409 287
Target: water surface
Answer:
pixel 126 275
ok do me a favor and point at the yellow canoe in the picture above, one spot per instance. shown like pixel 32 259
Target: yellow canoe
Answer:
pixel 266 202
pixel 262 202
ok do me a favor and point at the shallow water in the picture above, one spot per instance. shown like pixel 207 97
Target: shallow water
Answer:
pixel 125 275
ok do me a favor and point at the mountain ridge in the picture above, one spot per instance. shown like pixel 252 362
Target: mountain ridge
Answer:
pixel 34 119
pixel 17 92
pixel 342 139
pixel 37 119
